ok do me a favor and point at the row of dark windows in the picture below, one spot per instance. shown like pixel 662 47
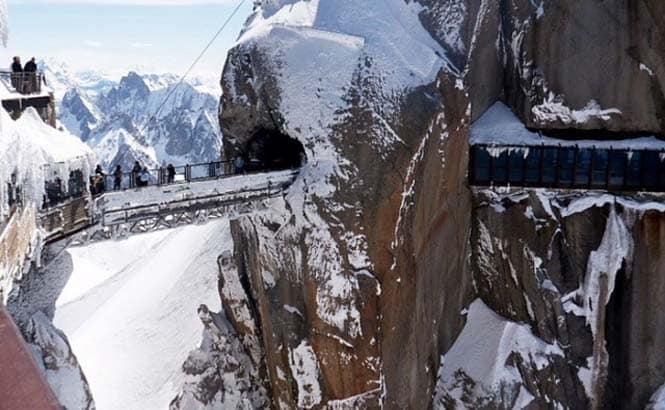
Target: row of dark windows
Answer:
pixel 568 167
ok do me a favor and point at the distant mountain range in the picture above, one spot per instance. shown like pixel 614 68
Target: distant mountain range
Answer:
pixel 111 116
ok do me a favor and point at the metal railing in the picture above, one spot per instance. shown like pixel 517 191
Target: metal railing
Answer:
pixel 59 193
pixel 160 176
pixel 25 82
pixel 567 167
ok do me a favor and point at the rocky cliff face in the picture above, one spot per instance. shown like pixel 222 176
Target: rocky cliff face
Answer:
pixel 382 279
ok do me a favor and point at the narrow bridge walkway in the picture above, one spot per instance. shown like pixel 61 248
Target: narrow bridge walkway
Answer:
pixel 119 214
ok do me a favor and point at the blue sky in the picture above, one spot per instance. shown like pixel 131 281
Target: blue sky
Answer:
pixel 118 35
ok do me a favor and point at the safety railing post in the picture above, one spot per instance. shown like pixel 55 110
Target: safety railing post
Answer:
pixel 643 184
pixel 609 167
pixel 591 164
pixel 188 173
pixel 472 165
pixel 627 156
pixel 491 167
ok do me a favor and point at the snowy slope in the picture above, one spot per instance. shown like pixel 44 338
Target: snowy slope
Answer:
pixel 132 320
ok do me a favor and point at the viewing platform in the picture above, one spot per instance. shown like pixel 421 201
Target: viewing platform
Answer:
pixel 503 153
pixel 19 91
pixel 564 167
pixel 194 194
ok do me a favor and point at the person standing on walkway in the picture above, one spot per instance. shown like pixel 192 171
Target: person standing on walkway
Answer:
pixel 17 74
pixel 117 178
pixel 239 165
pixel 136 170
pixel 30 66
pixel 170 173
pixel 144 177
pixel 16 65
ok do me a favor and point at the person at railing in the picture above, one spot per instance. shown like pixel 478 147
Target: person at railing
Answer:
pixel 98 181
pixel 136 170
pixel 117 178
pixel 17 67
pixel 239 165
pixel 75 183
pixel 54 190
pixel 17 74
pixel 30 66
pixel 170 174
pixel 144 177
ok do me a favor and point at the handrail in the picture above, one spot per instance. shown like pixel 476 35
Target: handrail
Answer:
pixel 214 170
pixel 268 188
pixel 23 82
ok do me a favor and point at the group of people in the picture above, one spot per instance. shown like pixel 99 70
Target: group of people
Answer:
pixel 139 177
pixel 23 83
pixel 30 66
pixel 58 190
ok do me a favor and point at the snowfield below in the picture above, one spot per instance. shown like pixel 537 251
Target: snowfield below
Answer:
pixel 130 311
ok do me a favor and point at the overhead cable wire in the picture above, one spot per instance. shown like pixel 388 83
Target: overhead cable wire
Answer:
pixel 191 67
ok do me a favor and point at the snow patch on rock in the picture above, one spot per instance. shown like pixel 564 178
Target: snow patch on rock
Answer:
pixel 553 109
pixel 479 363
pixel 305 371
pixel 55 356
pixel 500 126
pixel 594 294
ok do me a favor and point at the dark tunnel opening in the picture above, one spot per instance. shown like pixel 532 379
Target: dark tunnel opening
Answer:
pixel 271 150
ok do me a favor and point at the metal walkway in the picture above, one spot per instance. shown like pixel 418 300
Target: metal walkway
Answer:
pixel 120 214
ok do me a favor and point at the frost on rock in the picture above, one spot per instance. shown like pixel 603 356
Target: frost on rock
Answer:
pixel 593 296
pixel 486 361
pixel 305 371
pixel 500 126
pixel 657 401
pixel 219 374
pixel 238 307
pixel 60 366
pixel 553 110
pixel 35 152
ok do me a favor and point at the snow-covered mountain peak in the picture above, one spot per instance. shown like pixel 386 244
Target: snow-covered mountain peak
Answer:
pixel 113 116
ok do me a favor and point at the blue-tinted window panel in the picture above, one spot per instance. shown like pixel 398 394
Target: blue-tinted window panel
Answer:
pixel 566 166
pixel 583 168
pixel 533 166
pixel 481 165
pixel 633 170
pixel 599 170
pixel 500 168
pixel 650 170
pixel 516 167
pixel 550 166
pixel 617 169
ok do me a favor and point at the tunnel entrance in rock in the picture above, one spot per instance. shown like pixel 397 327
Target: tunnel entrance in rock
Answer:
pixel 271 150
